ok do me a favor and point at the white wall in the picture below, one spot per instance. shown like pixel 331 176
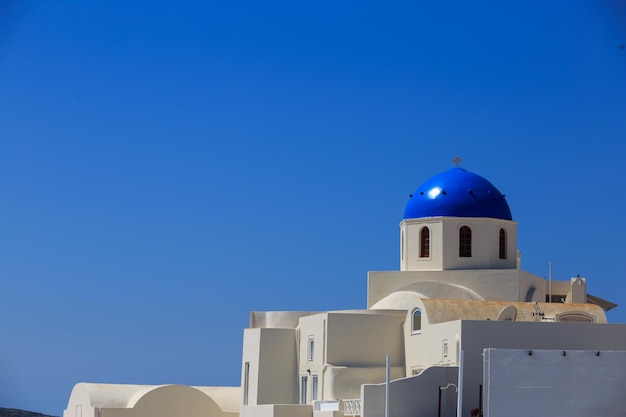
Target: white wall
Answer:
pixel 80 404
pixel 485 244
pixel 548 383
pixel 490 284
pixel 427 348
pixel 271 355
pixel 350 350
pixel 277 319
pixel 277 410
pixel 532 288
pixel 416 396
pixel 410 231
pixel 343 383
pixel 361 340
pixel 444 244
pixel 479 335
pixel 312 328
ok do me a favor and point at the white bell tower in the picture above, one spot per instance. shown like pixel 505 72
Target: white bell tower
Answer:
pixel 457 220
pixel 440 243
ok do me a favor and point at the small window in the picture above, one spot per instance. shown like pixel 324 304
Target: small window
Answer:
pixel 465 242
pixel 314 388
pixel 246 382
pixel 303 388
pixel 502 244
pixel 425 242
pixel 416 325
pixel 311 348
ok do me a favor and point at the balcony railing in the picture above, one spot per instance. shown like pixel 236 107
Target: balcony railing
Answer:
pixel 351 407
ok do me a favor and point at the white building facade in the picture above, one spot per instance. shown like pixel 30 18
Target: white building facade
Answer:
pixel 462 325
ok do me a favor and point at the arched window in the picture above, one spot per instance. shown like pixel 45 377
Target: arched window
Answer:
pixel 465 242
pixel 425 242
pixel 416 323
pixel 502 244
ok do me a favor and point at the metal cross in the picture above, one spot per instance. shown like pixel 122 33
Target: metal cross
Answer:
pixel 457 160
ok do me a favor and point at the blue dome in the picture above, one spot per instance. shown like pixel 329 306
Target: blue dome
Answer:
pixel 457 193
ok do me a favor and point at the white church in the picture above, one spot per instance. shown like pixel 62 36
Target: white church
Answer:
pixel 458 329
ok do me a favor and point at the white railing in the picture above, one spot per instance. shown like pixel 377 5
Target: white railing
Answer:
pixel 351 407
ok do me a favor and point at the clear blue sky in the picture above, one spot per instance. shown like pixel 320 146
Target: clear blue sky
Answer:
pixel 167 167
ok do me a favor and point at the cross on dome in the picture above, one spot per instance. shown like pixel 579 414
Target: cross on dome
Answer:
pixel 457 160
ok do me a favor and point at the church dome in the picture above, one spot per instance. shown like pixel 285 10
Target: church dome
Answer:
pixel 457 193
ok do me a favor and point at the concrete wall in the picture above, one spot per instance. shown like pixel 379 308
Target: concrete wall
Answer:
pixel 312 335
pixel 345 383
pixel 125 400
pixel 427 348
pixel 417 396
pixel 485 244
pixel 328 413
pixel 410 233
pixel 548 383
pixel 312 328
pixel 472 337
pixel 277 410
pixel 490 284
pixel 349 350
pixel 364 340
pixel 444 244
pixel 271 355
pixel 277 319
pixel 479 335
pixel 168 401
pixel 79 404
pixel 532 288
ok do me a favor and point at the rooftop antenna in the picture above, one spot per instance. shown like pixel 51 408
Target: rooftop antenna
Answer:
pixel 539 314
pixel 550 282
pixel 457 160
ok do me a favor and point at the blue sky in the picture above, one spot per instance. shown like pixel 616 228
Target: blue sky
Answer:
pixel 167 167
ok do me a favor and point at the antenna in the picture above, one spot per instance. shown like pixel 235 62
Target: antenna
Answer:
pixel 539 314
pixel 550 282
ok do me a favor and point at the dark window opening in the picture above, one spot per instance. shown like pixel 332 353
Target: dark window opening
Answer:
pixel 502 244
pixel 465 242
pixel 425 242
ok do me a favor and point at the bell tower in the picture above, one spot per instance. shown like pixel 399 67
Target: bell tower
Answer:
pixel 457 220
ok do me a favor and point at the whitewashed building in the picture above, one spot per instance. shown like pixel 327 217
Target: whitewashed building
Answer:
pixel 461 324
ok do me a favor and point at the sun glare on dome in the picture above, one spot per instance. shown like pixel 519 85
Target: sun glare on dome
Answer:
pixel 434 192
